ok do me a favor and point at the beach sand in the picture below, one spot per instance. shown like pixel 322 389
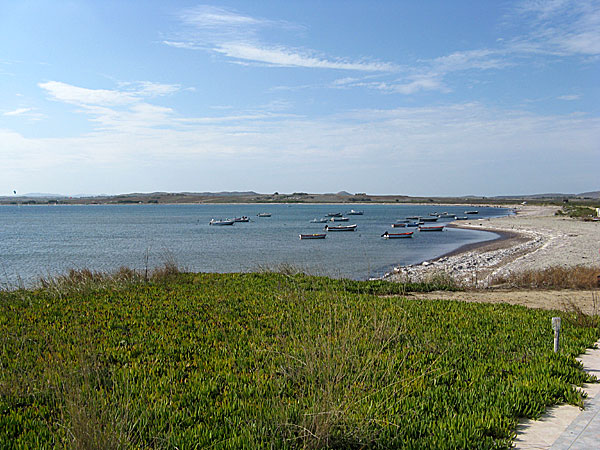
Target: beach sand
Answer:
pixel 532 239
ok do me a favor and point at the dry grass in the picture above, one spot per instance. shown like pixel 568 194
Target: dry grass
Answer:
pixel 580 318
pixel 577 277
pixel 86 280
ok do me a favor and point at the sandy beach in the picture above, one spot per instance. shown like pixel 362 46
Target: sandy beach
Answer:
pixel 534 238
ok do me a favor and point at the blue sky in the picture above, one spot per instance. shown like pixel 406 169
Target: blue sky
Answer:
pixel 389 97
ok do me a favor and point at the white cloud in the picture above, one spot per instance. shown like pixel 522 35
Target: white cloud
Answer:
pixel 482 59
pixel 211 17
pixel 184 45
pixel 569 97
pixel 236 36
pixel 457 138
pixel 133 93
pixel 560 27
pixel 17 112
pixel 285 57
pixel 81 96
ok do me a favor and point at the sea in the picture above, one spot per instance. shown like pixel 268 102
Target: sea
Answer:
pixel 47 240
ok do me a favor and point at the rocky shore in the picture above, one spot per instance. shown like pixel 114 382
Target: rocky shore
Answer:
pixel 533 238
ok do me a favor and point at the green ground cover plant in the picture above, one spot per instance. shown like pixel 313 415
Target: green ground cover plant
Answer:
pixel 272 360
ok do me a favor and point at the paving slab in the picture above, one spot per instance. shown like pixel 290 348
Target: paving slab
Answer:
pixel 567 427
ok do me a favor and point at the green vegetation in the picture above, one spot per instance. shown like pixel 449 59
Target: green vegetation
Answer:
pixel 577 212
pixel 271 360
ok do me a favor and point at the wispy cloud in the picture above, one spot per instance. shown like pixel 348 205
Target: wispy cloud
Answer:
pixel 559 27
pixel 569 97
pixel 237 37
pixel 443 141
pixel 132 93
pixel 286 57
pixel 17 112
pixel 28 113
pixel 82 96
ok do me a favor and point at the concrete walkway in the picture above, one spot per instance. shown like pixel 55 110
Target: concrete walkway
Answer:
pixel 567 427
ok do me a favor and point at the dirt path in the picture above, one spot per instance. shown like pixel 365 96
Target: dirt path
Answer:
pixel 588 301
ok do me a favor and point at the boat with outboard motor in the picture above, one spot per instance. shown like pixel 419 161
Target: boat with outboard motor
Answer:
pixel 387 235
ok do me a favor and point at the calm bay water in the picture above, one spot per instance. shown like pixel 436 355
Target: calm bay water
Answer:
pixel 48 240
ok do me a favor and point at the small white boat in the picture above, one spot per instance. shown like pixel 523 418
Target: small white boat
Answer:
pixel 339 219
pixel 340 228
pixel 221 222
pixel 313 236
pixel 264 214
pixel 241 219
pixel 323 220
pixel 472 212
pixel 334 215
pixel 387 235
pixel 461 218
pixel 355 213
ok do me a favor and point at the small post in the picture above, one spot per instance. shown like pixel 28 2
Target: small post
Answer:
pixel 556 328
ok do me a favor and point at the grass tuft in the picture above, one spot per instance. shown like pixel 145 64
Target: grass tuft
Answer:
pixel 577 277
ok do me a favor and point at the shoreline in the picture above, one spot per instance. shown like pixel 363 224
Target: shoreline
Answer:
pixel 532 239
pixel 502 237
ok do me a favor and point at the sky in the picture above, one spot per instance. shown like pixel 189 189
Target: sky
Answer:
pixel 387 97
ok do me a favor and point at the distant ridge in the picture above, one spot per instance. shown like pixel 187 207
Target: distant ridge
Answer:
pixel 591 194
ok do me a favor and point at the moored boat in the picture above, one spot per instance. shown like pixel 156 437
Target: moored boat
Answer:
pixel 313 236
pixel 340 228
pixel 241 219
pixel 264 214
pixel 334 214
pixel 387 235
pixel 472 212
pixel 413 224
pixel 355 213
pixel 413 217
pixel 429 219
pixel 398 225
pixel 461 218
pixel 339 219
pixel 432 228
pixel 221 222
pixel 323 220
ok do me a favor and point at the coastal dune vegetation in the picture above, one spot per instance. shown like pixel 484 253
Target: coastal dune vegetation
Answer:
pixel 165 359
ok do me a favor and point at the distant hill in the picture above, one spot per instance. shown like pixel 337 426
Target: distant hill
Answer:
pixel 42 195
pixel 552 195
pixel 593 194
